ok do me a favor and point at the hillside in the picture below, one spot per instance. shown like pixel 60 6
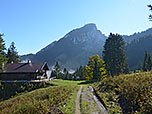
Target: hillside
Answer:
pixel 136 49
pixel 75 47
pixel 58 99
pixel 123 94
pixel 126 94
pixel 137 36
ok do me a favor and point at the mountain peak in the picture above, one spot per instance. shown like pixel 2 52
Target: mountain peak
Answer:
pixel 88 32
pixel 86 28
pixel 90 26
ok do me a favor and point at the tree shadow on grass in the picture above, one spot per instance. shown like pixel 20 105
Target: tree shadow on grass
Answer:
pixel 88 82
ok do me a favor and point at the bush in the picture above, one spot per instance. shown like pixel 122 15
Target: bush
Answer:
pixel 41 101
pixel 8 90
pixel 132 92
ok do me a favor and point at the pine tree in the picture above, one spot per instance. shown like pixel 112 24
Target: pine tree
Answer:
pixel 65 72
pixel 12 54
pixel 79 72
pixel 68 76
pixel 114 55
pixel 57 70
pixel 53 74
pixel 3 58
pixel 147 63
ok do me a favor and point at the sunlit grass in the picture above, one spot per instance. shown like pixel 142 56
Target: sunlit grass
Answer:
pixel 133 92
pixel 61 82
pixel 53 99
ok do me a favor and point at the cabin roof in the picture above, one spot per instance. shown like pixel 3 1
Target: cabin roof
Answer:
pixel 25 67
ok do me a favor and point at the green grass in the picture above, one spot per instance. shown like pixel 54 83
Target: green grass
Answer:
pixel 69 107
pixel 38 101
pixel 8 90
pixel 54 99
pixel 85 107
pixel 133 93
pixel 61 82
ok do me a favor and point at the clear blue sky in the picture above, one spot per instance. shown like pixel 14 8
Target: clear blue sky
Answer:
pixel 33 24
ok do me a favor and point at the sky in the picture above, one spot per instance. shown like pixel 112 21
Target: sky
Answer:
pixel 33 24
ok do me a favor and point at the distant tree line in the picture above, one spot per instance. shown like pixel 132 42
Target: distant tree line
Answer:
pixel 59 74
pixel 7 56
pixel 147 63
pixel 113 63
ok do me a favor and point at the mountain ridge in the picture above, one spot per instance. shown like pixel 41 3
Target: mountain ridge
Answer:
pixel 75 47
pixel 72 48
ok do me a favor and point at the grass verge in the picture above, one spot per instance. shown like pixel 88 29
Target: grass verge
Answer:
pixel 130 93
pixel 54 99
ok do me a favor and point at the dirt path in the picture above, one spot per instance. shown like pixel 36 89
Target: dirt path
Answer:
pixel 77 102
pixel 87 103
pixel 100 106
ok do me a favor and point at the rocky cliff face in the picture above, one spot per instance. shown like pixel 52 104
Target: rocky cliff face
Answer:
pixel 73 49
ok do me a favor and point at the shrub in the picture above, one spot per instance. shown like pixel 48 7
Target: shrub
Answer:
pixel 132 92
pixel 41 101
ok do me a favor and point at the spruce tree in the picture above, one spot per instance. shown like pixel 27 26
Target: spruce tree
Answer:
pixel 53 74
pixel 114 55
pixel 12 54
pixel 3 58
pixel 147 63
pixel 79 72
pixel 57 70
pixel 65 72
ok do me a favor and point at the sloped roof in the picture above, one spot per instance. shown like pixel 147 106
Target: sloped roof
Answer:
pixel 24 67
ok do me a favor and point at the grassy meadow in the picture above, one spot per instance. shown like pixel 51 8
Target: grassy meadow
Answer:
pixel 129 94
pixel 53 99
pixel 126 93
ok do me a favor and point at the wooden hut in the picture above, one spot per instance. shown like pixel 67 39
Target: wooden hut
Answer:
pixel 24 71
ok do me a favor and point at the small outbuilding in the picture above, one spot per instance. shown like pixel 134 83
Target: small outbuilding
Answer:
pixel 24 71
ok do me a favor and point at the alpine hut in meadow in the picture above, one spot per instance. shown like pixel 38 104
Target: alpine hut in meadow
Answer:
pixel 24 71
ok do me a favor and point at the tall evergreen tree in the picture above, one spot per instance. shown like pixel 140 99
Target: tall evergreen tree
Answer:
pixel 12 54
pixel 3 58
pixel 53 74
pixel 114 55
pixel 65 72
pixel 147 63
pixel 79 72
pixel 57 70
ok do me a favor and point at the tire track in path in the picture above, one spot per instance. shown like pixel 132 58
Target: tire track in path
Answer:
pixel 77 102
pixel 87 103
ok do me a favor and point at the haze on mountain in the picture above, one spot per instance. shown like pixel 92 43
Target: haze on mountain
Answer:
pixel 75 47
